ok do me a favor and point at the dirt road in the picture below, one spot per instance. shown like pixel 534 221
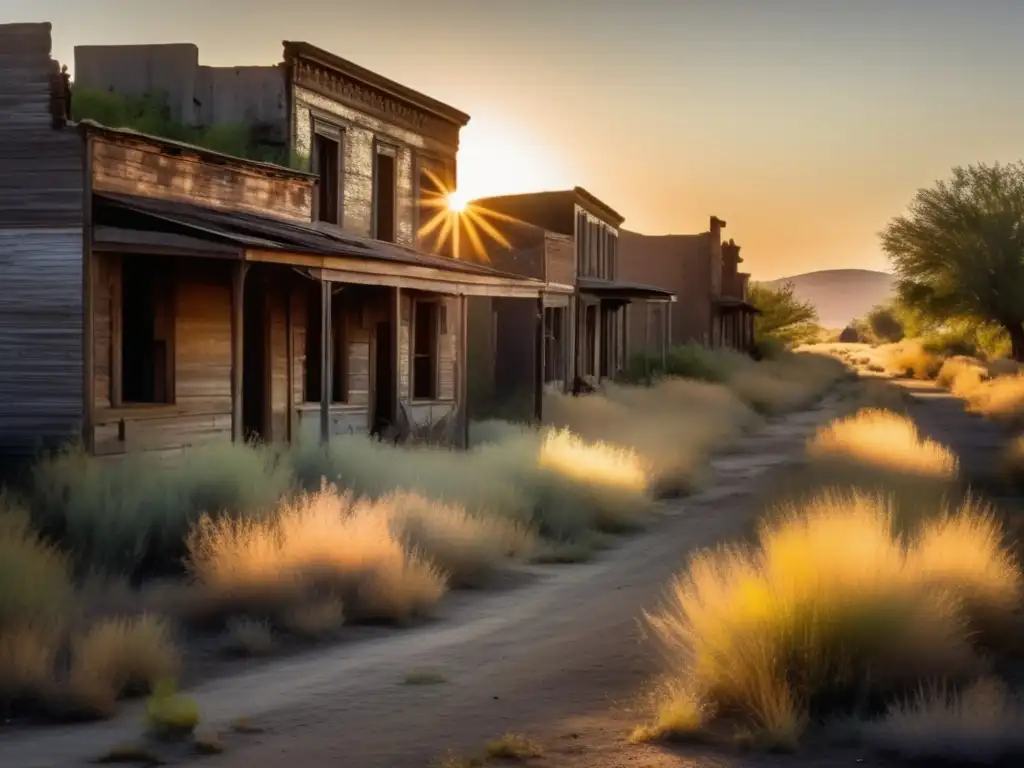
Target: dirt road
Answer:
pixel 560 659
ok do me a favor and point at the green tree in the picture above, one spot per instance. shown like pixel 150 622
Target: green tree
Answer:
pixel 959 249
pixel 884 323
pixel 782 315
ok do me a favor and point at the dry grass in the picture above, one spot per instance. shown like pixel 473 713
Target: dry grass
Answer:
pixel 324 542
pixel 876 437
pixel 983 724
pixel 831 611
pixel 962 375
pixel 117 657
pixel 316 619
pixel 131 515
pixel 1000 398
pixel 248 637
pixel 468 547
pixel 910 358
pixel 512 746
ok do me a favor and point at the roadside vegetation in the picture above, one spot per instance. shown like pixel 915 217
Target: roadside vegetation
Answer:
pixel 853 598
pixel 878 596
pixel 119 572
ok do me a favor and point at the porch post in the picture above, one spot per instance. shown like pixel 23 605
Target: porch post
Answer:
pixel 395 395
pixel 666 335
pixel 647 339
pixel 624 364
pixel 238 272
pixel 463 364
pixel 571 364
pixel 540 343
pixel 325 361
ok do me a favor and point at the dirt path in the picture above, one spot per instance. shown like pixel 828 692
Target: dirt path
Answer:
pixel 560 659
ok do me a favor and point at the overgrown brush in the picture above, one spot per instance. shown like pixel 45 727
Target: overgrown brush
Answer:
pixel 999 398
pixel 321 543
pixel 831 612
pixel 981 724
pixel 962 375
pixel 130 515
pixel 911 358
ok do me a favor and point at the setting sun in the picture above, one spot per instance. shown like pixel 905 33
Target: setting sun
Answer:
pixel 457 201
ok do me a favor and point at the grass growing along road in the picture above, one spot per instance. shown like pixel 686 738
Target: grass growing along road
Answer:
pixel 512 660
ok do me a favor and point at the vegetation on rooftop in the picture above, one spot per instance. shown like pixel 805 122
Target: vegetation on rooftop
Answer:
pixel 150 114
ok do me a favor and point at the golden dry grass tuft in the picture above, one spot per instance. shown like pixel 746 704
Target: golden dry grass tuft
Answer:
pixel 962 375
pixel 245 636
pixel 910 358
pixel 321 542
pixel 999 398
pixel 833 610
pixel 117 657
pixel 512 746
pixel 468 547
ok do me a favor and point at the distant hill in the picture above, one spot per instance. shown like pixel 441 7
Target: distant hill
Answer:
pixel 840 295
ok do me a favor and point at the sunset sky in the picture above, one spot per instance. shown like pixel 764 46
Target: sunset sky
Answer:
pixel 805 124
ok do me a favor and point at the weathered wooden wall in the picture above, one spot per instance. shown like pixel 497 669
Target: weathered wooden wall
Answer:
pixel 201 409
pixel 129 165
pixel 363 309
pixel 41 215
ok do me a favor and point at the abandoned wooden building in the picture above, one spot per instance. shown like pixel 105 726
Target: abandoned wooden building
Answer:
pixel 159 295
pixel 571 237
pixel 703 272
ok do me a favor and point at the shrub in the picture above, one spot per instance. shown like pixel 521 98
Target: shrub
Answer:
pixel 937 724
pixel 323 542
pixel 131 515
pixel 962 375
pixel 467 547
pixel 1000 398
pixel 911 358
pixel 826 614
pixel 120 656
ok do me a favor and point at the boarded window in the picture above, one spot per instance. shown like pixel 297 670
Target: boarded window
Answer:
pixel 147 332
pixel 327 161
pixel 339 349
pixel 384 195
pixel 590 340
pixel 424 350
pixel 554 341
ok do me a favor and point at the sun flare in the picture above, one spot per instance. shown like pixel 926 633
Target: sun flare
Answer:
pixel 455 218
pixel 457 201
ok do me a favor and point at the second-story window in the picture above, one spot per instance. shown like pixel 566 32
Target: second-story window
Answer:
pixel 384 202
pixel 327 165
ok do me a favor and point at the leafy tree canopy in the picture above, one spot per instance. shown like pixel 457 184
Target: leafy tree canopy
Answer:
pixel 783 316
pixel 959 249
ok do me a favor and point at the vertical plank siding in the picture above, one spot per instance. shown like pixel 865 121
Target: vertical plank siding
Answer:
pixel 41 236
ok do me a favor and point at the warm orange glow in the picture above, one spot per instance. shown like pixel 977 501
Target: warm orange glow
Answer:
pixel 457 201
pixel 455 215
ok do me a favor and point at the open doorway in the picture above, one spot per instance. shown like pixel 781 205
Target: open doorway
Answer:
pixel 255 373
pixel 383 379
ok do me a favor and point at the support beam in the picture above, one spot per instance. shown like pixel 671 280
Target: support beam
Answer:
pixel 395 326
pixel 571 363
pixel 325 361
pixel 238 272
pixel 463 368
pixel 539 348
pixel 666 331
pixel 647 339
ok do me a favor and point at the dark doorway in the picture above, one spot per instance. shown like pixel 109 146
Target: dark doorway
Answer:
pixel 254 359
pixel 383 380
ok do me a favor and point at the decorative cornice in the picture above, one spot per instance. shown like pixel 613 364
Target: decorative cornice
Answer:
pixel 375 101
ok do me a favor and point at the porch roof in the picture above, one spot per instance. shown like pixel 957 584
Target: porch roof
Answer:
pixel 125 219
pixel 624 290
pixel 733 304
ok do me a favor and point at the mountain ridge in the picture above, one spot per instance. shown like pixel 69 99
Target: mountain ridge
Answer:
pixel 839 295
